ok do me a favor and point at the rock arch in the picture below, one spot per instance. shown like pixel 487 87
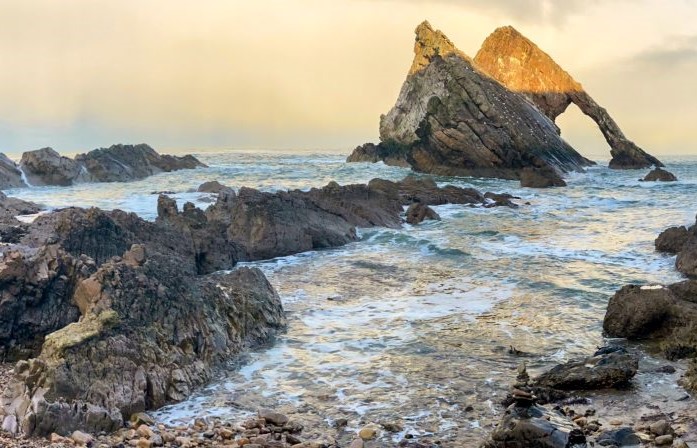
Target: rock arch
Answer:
pixel 520 65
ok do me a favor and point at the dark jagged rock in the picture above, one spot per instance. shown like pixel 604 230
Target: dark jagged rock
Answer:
pixel 268 225
pixel 672 240
pixel 118 330
pixel 683 242
pixel 426 191
pixel 659 175
pixel 535 426
pixel 521 66
pixel 36 289
pixel 11 229
pixel 452 119
pixel 118 163
pixel 147 336
pixel 46 167
pixel 417 213
pixel 10 176
pixel 601 371
pixel 540 178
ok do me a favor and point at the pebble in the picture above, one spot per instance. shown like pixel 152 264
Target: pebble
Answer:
pixel 616 422
pixel 660 428
pixel 274 418
pixel 80 438
pixel 368 433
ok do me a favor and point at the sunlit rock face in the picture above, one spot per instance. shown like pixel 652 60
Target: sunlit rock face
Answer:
pixel 451 119
pixel 521 66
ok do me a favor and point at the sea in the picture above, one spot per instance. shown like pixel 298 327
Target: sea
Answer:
pixel 423 327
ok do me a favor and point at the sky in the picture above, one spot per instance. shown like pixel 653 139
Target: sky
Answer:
pixel 315 74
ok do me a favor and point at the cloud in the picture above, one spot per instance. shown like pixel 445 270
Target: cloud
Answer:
pixel 676 51
pixel 531 11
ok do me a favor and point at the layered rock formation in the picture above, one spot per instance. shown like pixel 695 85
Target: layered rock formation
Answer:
pixel 118 163
pixel 452 119
pixel 119 319
pixel 10 176
pixel 521 66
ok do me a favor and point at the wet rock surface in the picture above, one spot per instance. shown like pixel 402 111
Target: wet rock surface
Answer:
pixel 452 119
pixel 540 178
pixel 118 163
pixel 417 213
pixel 659 175
pixel 10 176
pixel 520 65
pixel 600 371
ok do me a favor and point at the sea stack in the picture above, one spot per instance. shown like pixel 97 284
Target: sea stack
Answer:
pixel 520 65
pixel 452 119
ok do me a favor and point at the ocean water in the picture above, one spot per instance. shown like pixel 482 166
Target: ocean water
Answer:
pixel 413 326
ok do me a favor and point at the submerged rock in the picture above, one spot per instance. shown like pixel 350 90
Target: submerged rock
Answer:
pixel 601 371
pixel 683 242
pixel 521 66
pixel 452 119
pixel 540 178
pixel 212 186
pixel 660 175
pixel 10 176
pixel 417 213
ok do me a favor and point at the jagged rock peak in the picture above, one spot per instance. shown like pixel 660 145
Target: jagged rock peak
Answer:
pixel 506 52
pixel 520 65
pixel 429 44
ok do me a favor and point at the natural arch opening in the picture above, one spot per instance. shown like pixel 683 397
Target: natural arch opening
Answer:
pixel 583 134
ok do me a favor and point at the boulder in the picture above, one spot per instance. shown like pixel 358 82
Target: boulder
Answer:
pixel 618 437
pixel 601 371
pixel 535 426
pixel 686 261
pixel 12 229
pixel 452 119
pixel 637 312
pixel 212 186
pixel 520 65
pixel 46 167
pixel 672 239
pixel 540 178
pixel 120 163
pixel 659 175
pixel 417 213
pixel 10 176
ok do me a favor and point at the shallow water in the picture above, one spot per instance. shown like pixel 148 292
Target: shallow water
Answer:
pixel 413 325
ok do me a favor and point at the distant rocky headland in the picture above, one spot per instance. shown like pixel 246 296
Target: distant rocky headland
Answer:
pixel 117 163
pixel 491 116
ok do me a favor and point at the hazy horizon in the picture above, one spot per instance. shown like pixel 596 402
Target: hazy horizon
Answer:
pixel 314 75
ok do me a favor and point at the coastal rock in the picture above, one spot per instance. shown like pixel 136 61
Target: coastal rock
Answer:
pixel 36 289
pixel 660 175
pixel 535 426
pixel 93 374
pixel 618 437
pixel 664 313
pixel 672 240
pixel 452 119
pixel 267 225
pixel 540 178
pixel 686 261
pixel 118 163
pixel 417 213
pixel 521 66
pixel 425 190
pixel 601 371
pixel 46 167
pixel 212 186
pixel 121 163
pixel 11 229
pixel 10 176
